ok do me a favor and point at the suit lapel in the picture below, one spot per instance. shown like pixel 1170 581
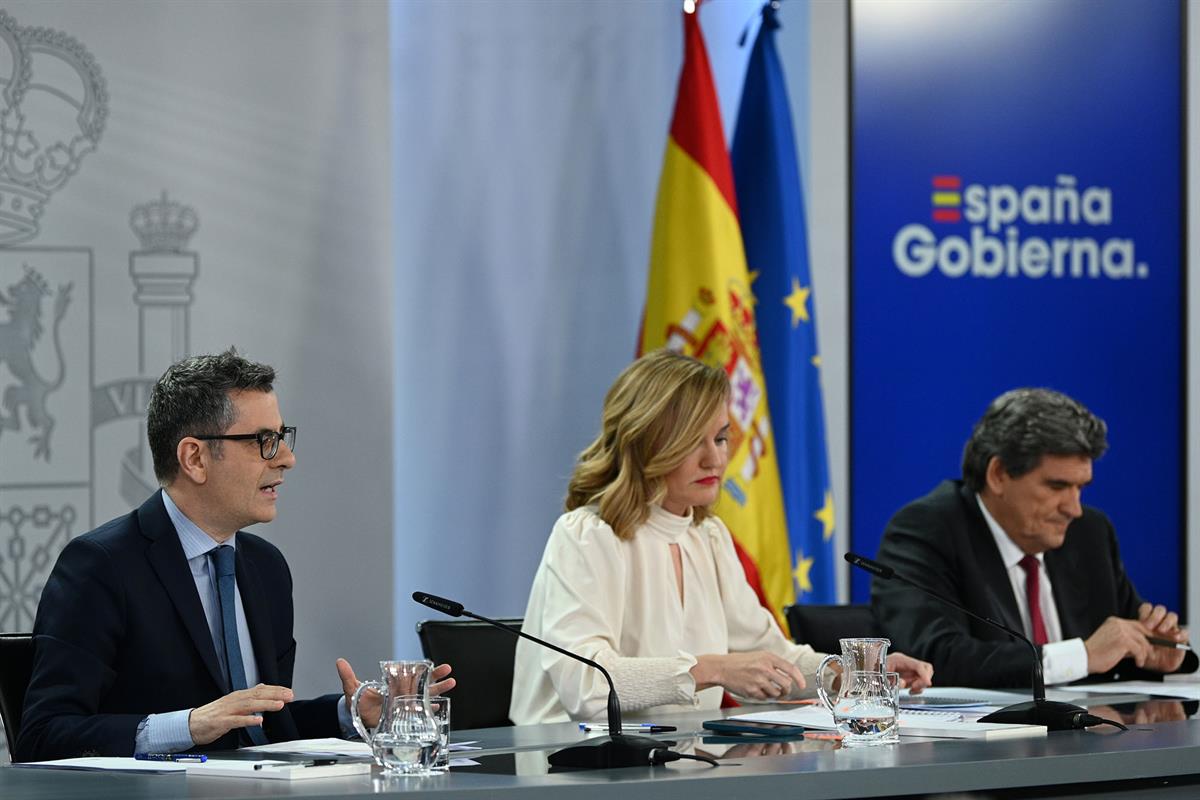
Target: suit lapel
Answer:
pixel 1070 593
pixel 987 558
pixel 254 603
pixel 165 555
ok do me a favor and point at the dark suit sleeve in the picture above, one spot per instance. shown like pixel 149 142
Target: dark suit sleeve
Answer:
pixel 1126 603
pixel 316 718
pixel 76 635
pixel 1127 599
pixel 920 545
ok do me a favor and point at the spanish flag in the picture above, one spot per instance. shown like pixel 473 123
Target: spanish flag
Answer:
pixel 699 302
pixel 767 175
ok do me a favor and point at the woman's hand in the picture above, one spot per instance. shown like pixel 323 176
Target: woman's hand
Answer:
pixel 758 675
pixel 917 675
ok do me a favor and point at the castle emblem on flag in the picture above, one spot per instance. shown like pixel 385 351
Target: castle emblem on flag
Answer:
pixel 703 334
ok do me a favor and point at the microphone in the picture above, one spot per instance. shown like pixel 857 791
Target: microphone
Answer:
pixel 448 607
pixel 602 752
pixel 1054 715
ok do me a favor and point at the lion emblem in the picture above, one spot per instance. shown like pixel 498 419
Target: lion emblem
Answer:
pixel 18 338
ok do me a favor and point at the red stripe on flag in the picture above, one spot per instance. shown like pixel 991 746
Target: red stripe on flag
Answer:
pixel 751 570
pixel 946 182
pixel 752 576
pixel 947 215
pixel 696 126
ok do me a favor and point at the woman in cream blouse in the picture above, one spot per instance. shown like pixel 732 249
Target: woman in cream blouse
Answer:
pixel 640 576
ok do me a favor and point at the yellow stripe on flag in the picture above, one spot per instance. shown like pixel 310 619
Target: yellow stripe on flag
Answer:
pixel 699 302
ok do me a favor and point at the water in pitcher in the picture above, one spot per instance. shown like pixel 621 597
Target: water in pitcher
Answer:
pixel 866 724
pixel 404 755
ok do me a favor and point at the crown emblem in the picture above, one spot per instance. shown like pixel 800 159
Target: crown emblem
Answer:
pixel 163 226
pixel 52 111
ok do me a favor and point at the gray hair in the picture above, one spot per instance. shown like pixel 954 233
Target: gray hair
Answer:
pixel 1022 425
pixel 192 399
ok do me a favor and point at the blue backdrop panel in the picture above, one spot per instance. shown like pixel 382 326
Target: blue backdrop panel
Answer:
pixel 1016 221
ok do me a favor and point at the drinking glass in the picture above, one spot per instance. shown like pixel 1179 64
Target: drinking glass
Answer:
pixel 440 706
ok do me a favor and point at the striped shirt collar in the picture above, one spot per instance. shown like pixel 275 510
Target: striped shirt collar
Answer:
pixel 195 541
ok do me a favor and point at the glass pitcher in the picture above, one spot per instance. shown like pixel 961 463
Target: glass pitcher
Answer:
pixel 406 739
pixel 859 655
pixel 867 708
pixel 866 704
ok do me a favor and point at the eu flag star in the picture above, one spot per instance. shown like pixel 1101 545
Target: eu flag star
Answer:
pixel 825 515
pixel 803 567
pixel 797 301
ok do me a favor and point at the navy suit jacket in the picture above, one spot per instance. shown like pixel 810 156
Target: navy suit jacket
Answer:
pixel 120 634
pixel 942 542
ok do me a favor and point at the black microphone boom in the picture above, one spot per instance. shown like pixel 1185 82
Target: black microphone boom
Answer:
pixel 604 752
pixel 1039 711
pixel 448 607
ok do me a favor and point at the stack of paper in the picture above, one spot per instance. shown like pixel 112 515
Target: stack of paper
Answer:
pixel 1187 690
pixel 220 768
pixel 911 724
pixel 105 764
pixel 316 748
pixel 340 748
pixel 276 770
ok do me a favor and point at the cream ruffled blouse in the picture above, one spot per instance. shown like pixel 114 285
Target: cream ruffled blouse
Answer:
pixel 617 602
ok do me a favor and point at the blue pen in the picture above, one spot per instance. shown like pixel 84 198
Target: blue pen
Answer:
pixel 187 758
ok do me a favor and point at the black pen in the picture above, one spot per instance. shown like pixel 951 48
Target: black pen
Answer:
pixel 633 727
pixel 1157 642
pixel 316 762
pixel 189 758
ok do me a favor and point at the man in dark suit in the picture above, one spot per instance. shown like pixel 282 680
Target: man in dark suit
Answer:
pixel 1011 541
pixel 169 628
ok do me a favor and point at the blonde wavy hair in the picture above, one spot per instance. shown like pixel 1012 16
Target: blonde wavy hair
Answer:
pixel 655 415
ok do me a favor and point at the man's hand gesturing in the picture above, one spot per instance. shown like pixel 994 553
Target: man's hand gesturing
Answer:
pixel 240 709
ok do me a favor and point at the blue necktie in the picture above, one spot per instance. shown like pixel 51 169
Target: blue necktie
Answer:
pixel 227 591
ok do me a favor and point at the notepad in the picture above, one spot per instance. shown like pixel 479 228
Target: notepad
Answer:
pixel 274 770
pixel 930 714
pixel 959 698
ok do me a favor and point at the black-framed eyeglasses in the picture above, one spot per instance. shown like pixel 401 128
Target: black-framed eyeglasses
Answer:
pixel 268 441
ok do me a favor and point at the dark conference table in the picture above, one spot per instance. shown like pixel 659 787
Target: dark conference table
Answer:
pixel 1159 760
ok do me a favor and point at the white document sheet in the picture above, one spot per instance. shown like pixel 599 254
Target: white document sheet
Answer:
pixel 103 764
pixel 320 748
pixel 1189 690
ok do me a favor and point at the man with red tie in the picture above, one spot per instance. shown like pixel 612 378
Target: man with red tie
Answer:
pixel 1012 541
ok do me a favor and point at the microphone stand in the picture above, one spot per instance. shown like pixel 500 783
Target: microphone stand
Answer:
pixel 601 752
pixel 1054 715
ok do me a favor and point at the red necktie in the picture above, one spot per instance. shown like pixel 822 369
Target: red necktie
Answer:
pixel 1033 594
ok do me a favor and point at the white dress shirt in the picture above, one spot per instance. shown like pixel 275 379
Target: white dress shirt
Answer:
pixel 617 602
pixel 1063 661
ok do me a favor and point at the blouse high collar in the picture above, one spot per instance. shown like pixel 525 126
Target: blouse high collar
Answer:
pixel 670 526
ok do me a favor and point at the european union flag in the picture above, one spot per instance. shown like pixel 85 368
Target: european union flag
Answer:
pixel 771 205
